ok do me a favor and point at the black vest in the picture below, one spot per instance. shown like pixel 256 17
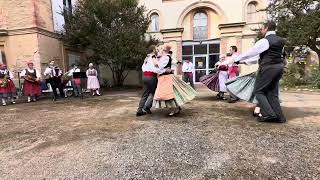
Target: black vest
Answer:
pixel 274 55
pixel 34 74
pixel 168 66
pixel 3 73
pixel 169 63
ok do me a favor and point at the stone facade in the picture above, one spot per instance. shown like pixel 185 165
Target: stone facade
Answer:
pixel 224 23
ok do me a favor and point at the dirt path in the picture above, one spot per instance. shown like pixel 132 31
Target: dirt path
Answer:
pixel 100 138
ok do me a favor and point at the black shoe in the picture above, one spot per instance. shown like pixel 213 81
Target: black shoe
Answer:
pixel 54 99
pixel 141 113
pixel 267 119
pixel 148 111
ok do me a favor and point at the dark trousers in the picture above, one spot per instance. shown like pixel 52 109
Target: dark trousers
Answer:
pixel 149 88
pixel 56 83
pixel 267 90
pixel 188 77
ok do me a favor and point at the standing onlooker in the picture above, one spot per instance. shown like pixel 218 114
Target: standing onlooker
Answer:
pixel 7 88
pixel 187 69
pixel 93 82
pixel 31 85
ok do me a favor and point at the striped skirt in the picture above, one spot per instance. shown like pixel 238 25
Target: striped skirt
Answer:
pixel 172 92
pixel 211 81
pixel 243 87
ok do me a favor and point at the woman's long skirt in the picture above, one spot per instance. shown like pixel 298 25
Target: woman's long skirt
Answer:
pixel 172 92
pixel 93 83
pixel 216 81
pixel 211 81
pixel 223 78
pixel 31 89
pixel 243 87
pixel 8 91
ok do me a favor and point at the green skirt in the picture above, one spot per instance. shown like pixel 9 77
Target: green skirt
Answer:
pixel 183 93
pixel 243 87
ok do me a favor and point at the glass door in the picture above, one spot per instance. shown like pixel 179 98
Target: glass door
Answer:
pixel 200 65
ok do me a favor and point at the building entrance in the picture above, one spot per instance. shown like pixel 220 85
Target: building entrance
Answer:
pixel 204 56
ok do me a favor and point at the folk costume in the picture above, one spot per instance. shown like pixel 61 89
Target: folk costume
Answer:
pixel 31 85
pixel 216 81
pixel 93 82
pixel 7 88
pixel 76 82
pixel 53 76
pixel 271 65
pixel 233 71
pixel 188 69
pixel 150 82
pixel 171 91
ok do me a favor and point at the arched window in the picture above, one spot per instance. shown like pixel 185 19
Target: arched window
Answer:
pixel 252 12
pixel 154 26
pixel 200 26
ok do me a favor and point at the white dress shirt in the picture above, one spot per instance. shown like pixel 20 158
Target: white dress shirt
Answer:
pixel 148 64
pixel 163 61
pixel 73 70
pixel 187 67
pixel 6 71
pixel 260 47
pixel 50 71
pixel 24 72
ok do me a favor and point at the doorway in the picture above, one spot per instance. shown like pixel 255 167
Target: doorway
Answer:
pixel 204 56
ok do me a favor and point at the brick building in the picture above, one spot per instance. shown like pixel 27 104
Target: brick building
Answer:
pixel 29 32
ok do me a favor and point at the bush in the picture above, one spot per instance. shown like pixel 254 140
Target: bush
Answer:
pixel 315 79
pixel 293 76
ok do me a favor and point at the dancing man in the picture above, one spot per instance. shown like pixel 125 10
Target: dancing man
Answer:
pixel 150 81
pixel 271 66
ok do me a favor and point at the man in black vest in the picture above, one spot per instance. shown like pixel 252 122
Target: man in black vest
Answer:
pixel 271 66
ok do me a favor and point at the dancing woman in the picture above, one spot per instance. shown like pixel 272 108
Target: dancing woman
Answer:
pixel 171 91
pixel 216 81
pixel 242 87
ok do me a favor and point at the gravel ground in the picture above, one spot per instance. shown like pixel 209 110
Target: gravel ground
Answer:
pixel 100 138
